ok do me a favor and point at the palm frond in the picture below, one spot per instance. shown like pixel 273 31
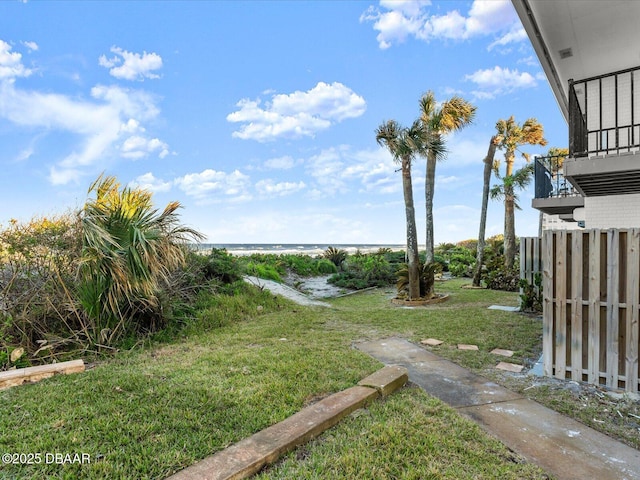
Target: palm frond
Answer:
pixel 128 248
pixel 497 192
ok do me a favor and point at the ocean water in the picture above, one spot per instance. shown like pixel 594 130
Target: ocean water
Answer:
pixel 294 248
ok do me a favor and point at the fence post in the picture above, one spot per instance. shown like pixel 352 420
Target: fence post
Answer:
pixel 547 303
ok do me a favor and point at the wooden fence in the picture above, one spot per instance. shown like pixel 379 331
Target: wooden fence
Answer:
pixel 530 258
pixel 591 304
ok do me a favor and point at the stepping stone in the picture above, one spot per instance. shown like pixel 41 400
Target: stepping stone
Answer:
pixel 504 308
pixel 432 342
pixel 509 367
pixel 500 351
pixel 462 346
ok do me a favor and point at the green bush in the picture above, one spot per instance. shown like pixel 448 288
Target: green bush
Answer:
pixel 303 265
pixel 222 266
pixel 365 270
pixel 325 267
pixel 263 270
pixel 274 267
pixel 531 296
pixel 84 281
pixel 503 279
pixel 458 269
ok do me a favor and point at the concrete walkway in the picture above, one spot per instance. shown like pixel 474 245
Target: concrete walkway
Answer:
pixel 562 446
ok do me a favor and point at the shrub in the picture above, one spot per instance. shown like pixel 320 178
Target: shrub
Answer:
pixel 441 262
pixel 38 264
pixel 263 270
pixel 458 269
pixel 531 296
pixel 503 279
pixel 128 250
pixel 222 266
pixel 303 265
pixel 325 267
pixel 85 280
pixel 363 271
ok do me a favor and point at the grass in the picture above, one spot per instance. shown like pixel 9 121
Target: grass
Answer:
pixel 153 411
pixel 410 435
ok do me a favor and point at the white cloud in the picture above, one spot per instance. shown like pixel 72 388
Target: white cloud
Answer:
pixel 136 147
pixel 11 63
pixel 396 25
pixel 33 46
pixel 298 114
pixel 211 186
pixel 514 36
pixel 398 20
pixel 280 163
pixel 149 182
pixel 62 176
pixel 269 188
pixel 407 7
pixel 497 81
pixel 334 168
pixel 111 116
pixel 131 66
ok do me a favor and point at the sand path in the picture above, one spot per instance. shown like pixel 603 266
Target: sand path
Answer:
pixel 285 291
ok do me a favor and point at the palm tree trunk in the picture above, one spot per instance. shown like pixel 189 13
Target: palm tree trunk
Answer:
pixel 412 234
pixel 429 186
pixel 509 227
pixel 488 165
pixel 509 214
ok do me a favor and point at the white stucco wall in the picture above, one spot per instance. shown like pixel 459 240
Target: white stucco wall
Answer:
pixel 616 211
pixel 553 222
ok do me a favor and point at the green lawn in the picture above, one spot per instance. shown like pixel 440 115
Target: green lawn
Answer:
pixel 153 411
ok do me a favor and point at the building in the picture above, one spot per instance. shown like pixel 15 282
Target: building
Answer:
pixel 590 52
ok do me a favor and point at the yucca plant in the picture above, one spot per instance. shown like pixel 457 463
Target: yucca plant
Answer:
pixel 128 249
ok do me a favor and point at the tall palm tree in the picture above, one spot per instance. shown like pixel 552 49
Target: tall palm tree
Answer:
pixel 452 115
pixel 403 144
pixel 505 191
pixel 128 249
pixel 488 166
pixel 510 137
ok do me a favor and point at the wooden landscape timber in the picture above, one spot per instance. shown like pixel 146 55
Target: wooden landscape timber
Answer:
pixel 12 378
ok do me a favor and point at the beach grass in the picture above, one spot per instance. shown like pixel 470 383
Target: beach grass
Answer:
pixel 152 411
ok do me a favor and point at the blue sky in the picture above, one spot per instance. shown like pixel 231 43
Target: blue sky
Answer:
pixel 259 117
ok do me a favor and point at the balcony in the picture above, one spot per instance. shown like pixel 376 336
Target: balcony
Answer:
pixel 554 194
pixel 604 134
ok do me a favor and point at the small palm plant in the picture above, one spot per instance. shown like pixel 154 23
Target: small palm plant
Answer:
pixel 129 248
pixel 427 280
pixel 336 255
